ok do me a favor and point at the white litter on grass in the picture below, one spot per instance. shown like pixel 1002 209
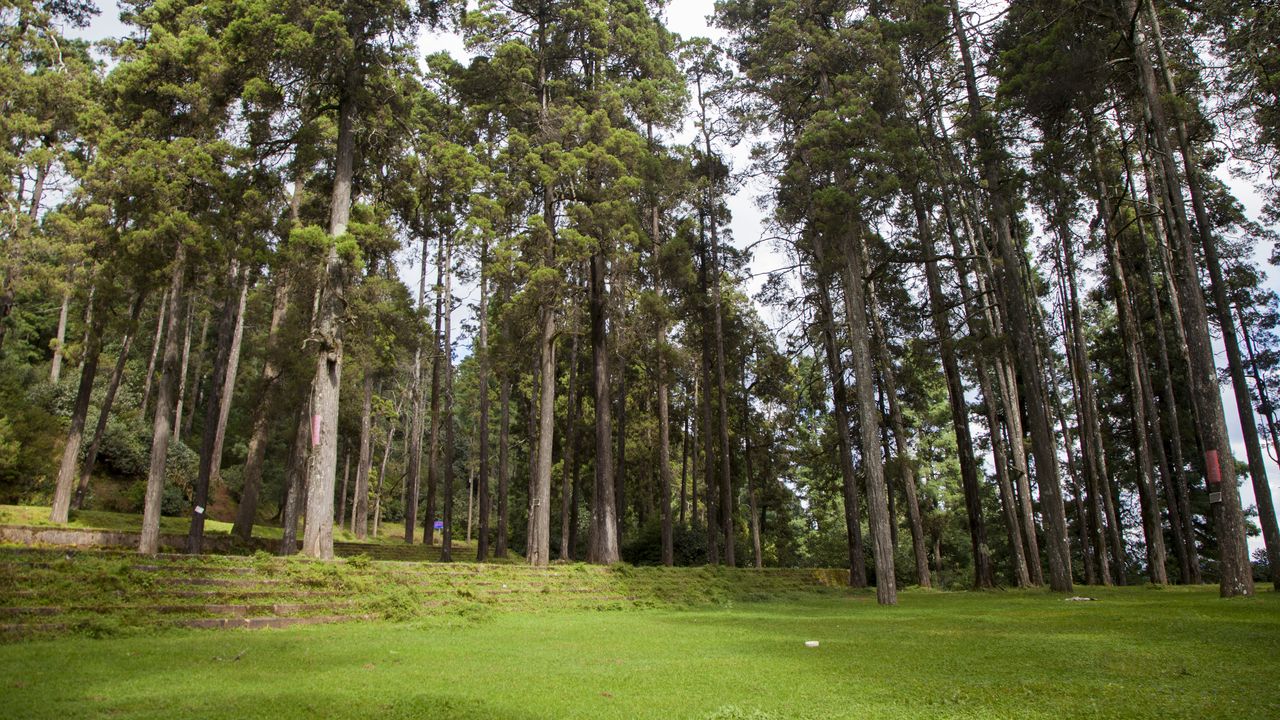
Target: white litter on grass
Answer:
pixel 1079 598
pixel 811 643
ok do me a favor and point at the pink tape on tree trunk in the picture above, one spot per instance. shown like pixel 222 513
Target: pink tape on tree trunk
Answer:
pixel 315 430
pixel 1213 471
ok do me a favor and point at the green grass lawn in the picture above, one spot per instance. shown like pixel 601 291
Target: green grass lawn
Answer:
pixel 1135 653
pixel 390 533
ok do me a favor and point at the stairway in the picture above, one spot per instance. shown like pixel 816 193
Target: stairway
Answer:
pixel 49 591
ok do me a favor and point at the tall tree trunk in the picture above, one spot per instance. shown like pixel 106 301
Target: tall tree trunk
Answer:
pixel 182 372
pixel 844 440
pixel 1226 321
pixel 75 432
pixel 342 498
pixel 1235 572
pixel 55 367
pixel 1087 408
pixel 149 539
pixel 1013 290
pixel 156 343
pixel 268 401
pixel 437 377
pixel 569 471
pixel 1152 529
pixel 482 383
pixel 364 461
pixel 983 576
pixel 504 468
pixel 603 540
pixel 684 465
pixel 446 514
pixel 104 412
pixel 295 482
pixel 906 463
pixel 382 474
pixel 413 477
pixel 210 448
pixel 1175 476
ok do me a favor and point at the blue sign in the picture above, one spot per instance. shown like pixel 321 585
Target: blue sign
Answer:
pixel 439 524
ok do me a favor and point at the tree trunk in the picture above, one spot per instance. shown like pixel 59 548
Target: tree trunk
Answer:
pixel 161 313
pixel 504 468
pixel 569 471
pixel 844 440
pixel 364 461
pixel 446 514
pixel 906 463
pixel 342 498
pixel 1013 290
pixel 1129 331
pixel 414 462
pixel 382 474
pixel 75 432
pixel 149 539
pixel 1235 572
pixel 437 374
pixel 182 373
pixel 55 367
pixel 210 449
pixel 268 401
pixel 603 540
pixel 104 413
pixel 326 385
pixel 982 570
pixel 482 383
pixel 878 520
pixel 295 479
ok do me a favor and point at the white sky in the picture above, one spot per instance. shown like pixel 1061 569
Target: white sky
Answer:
pixel 689 19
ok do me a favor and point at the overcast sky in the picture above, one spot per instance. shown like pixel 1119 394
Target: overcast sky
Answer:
pixel 689 19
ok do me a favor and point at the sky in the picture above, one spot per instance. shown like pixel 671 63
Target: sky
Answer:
pixel 689 18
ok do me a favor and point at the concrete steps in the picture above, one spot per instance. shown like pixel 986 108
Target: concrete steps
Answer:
pixel 50 591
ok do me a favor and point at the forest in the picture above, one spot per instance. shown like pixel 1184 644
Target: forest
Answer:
pixel 1006 321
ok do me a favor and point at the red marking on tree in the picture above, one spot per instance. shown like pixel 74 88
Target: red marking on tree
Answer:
pixel 1213 470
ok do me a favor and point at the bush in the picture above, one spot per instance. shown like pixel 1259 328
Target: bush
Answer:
pixel 689 545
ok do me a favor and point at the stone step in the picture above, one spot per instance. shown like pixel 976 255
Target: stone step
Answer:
pixel 258 623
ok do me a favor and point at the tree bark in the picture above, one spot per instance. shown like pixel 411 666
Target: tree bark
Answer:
pixel 75 432
pixel 844 440
pixel 603 540
pixel 1013 290
pixel 1235 572
pixel 295 480
pixel 414 463
pixel 569 471
pixel 446 514
pixel 210 449
pixel 983 576
pixel 504 468
pixel 342 498
pixel 326 385
pixel 149 539
pixel 364 461
pixel 182 373
pixel 104 413
pixel 268 401
pixel 482 382
pixel 55 366
pixel 155 351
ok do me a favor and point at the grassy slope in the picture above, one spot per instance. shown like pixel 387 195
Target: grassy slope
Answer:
pixel 1137 653
pixel 102 520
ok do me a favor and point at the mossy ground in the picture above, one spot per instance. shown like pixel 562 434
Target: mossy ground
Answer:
pixel 1134 653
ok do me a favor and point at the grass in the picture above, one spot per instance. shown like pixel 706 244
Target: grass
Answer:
pixel 1135 653
pixel 38 516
